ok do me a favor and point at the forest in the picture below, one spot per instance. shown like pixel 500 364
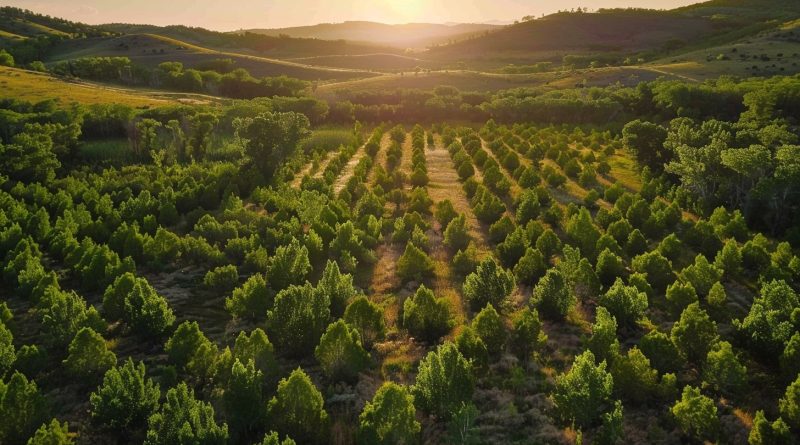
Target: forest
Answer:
pixel 249 261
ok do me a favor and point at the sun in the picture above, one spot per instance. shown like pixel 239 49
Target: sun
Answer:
pixel 408 10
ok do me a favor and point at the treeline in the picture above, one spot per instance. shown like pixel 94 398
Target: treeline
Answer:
pixel 236 84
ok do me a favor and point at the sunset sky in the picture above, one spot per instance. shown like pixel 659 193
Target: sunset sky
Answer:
pixel 236 14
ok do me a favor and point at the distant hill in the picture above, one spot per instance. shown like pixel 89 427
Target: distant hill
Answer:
pixel 21 24
pixel 411 35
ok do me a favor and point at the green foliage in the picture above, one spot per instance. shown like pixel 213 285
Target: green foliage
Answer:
pixel 426 316
pixel 473 349
pixel 531 267
pixel 626 303
pixel 702 274
pixel 22 409
pixel 729 259
pixel 696 414
pixel 695 334
pixel 680 295
pixel 6 59
pixel 222 279
pixel 465 261
pixel 634 379
pixel 603 342
pixel 297 409
pixel 125 399
pixel 584 392
pixel 7 352
pixel 298 320
pixel 526 333
pixel 188 347
pixel 766 433
pixel 340 352
pixel 257 348
pixel 552 295
pixel 456 235
pixel 252 300
pixel 271 138
pixel 414 264
pixel 646 141
pixel 367 318
pixel 489 284
pixel 663 354
pixel 611 431
pixel 769 324
pixel 243 401
pixel 610 267
pixel 789 404
pixel 88 356
pixel 289 266
pixel 337 286
pixel 184 419
pixel 658 269
pixel 63 314
pixel 444 381
pixel 53 433
pixel 723 370
pixel 489 327
pixel 146 312
pixel 582 231
pixel 390 418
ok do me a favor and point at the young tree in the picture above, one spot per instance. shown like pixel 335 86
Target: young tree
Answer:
pixel 272 138
pixel 297 409
pixel 390 418
pixel 768 325
pixel 425 316
pixel 526 333
pixel 626 303
pixel 789 404
pixel 609 267
pixel 634 379
pixel 444 381
pixel 184 419
pixel 340 353
pixel 243 400
pixel 489 327
pixel 63 314
pixel 723 370
pixel 88 355
pixel 646 141
pixel 367 318
pixel 695 334
pixel 187 347
pixel 702 274
pixel 766 433
pixel 583 393
pixel 473 349
pixel 53 433
pixel 552 296
pixel 222 279
pixel 289 266
pixel 252 300
pixel 582 231
pixel 456 234
pixel 531 267
pixel 337 286
pixel 414 264
pixel 680 294
pixel 696 414
pixel 658 269
pixel 490 283
pixel 603 342
pixel 272 438
pixel 611 431
pixel 125 399
pixel 659 348
pixel 7 352
pixel 298 320
pixel 257 347
pixel 146 312
pixel 22 409
pixel 729 259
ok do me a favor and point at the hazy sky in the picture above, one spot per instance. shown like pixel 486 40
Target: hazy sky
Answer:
pixel 226 15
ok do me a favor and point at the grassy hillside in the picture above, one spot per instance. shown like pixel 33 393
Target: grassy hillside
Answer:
pixel 411 35
pixel 150 50
pixel 376 62
pixel 34 87
pixel 17 24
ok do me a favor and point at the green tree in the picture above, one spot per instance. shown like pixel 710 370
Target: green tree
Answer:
pixel 659 348
pixel 552 295
pixel 490 283
pixel 611 431
pixel 626 303
pixel 444 381
pixel 367 318
pixel 531 267
pixel 527 334
pixel 202 127
pixel 729 259
pixel 696 414
pixel 257 347
pixel 473 349
pixel 271 138
pixel 340 352
pixel 584 392
pixel 7 352
pixel 252 299
pixel 6 59
pixel 243 400
pixel 125 399
pixel 766 433
pixel 723 370
pixel 603 342
pixel 222 279
pixel 63 314
pixel 609 267
pixel 702 274
pixel 426 316
pixel 29 157
pixel 337 286
pixel 272 438
pixel 187 348
pixel 414 264
pixel 390 418
pixel 297 409
pixel 298 320
pixel 88 356
pixel 680 294
pixel 582 231
pixel 789 404
pixel 184 419
pixel 646 141
pixel 695 334
pixel 53 433
pixel 489 327
pixel 22 409
pixel 456 234
pixel 769 324
pixel 634 379
pixel 290 265
pixel 146 312
pixel 658 269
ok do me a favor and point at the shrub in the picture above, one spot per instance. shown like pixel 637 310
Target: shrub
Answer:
pixel 340 353
pixel 426 316
pixel 680 295
pixel 298 319
pixel 22 409
pixel 337 286
pixel 626 303
pixel 702 275
pixel 789 404
pixel 663 354
pixel 695 334
pixel 473 348
pixel 603 342
pixel 125 399
pixel 196 420
pixel 696 414
pixel 456 235
pixel 53 433
pixel 489 327
pixel 609 267
pixel 367 318
pixel 552 295
pixel 531 267
pixel 583 393
pixel 414 264
pixel 723 371
pixel 222 279
pixel 252 300
pixel 489 284
pixel 444 381
pixel 634 379
pixel 297 409
pixel 390 418
pixel 88 355
pixel 768 325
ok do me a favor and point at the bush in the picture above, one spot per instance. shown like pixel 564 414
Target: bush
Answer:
pixel 473 349
pixel 767 326
pixel 789 404
pixel 196 420
pixel 297 410
pixel 414 264
pixel 53 433
pixel 125 399
pixel 425 316
pixel 680 295
pixel 694 334
pixel 609 267
pixel 489 284
pixel 444 381
pixel 696 414
pixel 298 320
pixel 723 371
pixel 584 392
pixel 22 409
pixel 390 418
pixel 603 342
pixel 702 275
pixel 626 303
pixel 337 286
pixel 663 354
pixel 340 353
pixel 252 300
pixel 634 379
pixel 465 262
pixel 88 356
pixel 367 318
pixel 552 295
pixel 531 267
pixel 489 327
pixel 658 269
pixel 222 279
pixel 456 235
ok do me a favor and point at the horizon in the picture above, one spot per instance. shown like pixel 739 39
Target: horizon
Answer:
pixel 220 16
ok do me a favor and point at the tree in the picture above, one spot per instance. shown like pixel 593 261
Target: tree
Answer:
pixel 609 267
pixel 390 418
pixel 290 265
pixel 252 300
pixel 63 314
pixel 790 358
pixel 531 267
pixel 29 157
pixel 768 325
pixel 473 349
pixel 646 141
pixel 7 351
pixel 696 414
pixel 414 264
pixel 717 297
pixel 611 430
pixel 723 370
pixel 257 347
pixel 186 347
pixel 272 138
pixel 202 128
pixel 695 334
pixel 184 419
pixel 298 320
pixel 583 393
pixel 526 333
pixel 603 342
pixel 337 286
pixel 244 404
pixel 548 243
pixel 582 231
pixel 456 235
pixel 789 404
pixel 6 59
pixel 552 295
pixel 626 303
pixel 146 312
pixel 702 274
pixel 658 269
pixel 22 408
pixel 125 399
pixel 489 284
pixel 88 355
pixel 766 433
pixel 528 208
pixel 340 352
pixel 53 433
pixel 634 378
pixel 680 294
pixel 222 279
pixel 367 318
pixel 272 438
pixel 297 409
pixel 489 327
pixel 426 316
pixel 661 351
pixel 444 381
pixel 729 259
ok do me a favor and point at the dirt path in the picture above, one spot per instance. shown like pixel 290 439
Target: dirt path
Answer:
pixel 348 169
pixel 515 190
pixel 323 164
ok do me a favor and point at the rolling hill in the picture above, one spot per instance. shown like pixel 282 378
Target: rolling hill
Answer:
pixel 20 24
pixel 411 35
